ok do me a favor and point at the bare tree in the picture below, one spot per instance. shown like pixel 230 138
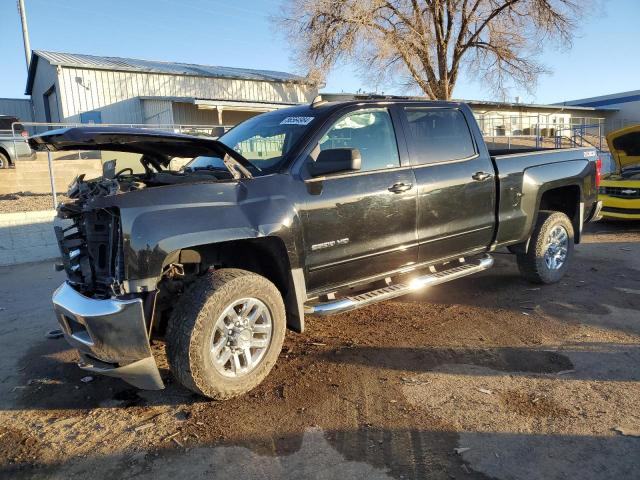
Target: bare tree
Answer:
pixel 427 43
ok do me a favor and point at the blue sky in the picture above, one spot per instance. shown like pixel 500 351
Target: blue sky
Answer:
pixel 604 57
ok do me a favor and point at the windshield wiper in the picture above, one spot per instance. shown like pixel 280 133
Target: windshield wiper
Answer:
pixel 208 168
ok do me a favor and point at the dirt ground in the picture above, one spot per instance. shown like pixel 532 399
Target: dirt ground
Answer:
pixel 27 202
pixel 484 377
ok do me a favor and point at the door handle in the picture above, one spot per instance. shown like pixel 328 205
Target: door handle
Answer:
pixel 400 187
pixel 480 176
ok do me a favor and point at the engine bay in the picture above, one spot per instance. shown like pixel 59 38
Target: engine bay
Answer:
pixel 83 189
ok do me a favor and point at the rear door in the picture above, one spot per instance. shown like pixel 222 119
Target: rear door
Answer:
pixel 455 179
pixel 360 224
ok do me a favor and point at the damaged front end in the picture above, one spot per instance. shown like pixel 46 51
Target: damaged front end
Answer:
pixel 106 325
pixel 103 318
pixel 91 249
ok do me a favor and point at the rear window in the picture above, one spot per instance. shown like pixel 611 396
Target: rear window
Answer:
pixel 438 135
pixel 5 123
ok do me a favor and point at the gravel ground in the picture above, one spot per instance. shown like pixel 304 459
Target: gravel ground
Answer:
pixel 485 377
pixel 27 202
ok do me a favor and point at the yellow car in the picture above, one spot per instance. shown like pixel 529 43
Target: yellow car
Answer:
pixel 620 190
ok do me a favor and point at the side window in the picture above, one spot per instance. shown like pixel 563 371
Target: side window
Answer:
pixel 438 135
pixel 371 132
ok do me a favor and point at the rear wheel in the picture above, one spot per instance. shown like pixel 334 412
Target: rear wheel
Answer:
pixel 4 161
pixel 226 333
pixel 550 249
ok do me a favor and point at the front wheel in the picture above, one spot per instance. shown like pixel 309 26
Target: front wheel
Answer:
pixel 226 333
pixel 4 161
pixel 550 249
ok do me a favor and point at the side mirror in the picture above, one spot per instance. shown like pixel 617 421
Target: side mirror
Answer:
pixel 335 160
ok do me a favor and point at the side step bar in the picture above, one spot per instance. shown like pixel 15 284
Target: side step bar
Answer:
pixel 399 289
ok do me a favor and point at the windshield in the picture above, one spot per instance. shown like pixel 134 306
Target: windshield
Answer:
pixel 264 140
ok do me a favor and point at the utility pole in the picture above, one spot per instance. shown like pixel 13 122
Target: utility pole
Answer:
pixel 25 32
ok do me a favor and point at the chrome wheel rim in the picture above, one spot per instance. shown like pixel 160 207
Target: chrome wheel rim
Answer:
pixel 241 337
pixel 555 254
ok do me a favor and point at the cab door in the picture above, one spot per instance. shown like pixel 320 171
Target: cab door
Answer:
pixel 455 180
pixel 360 224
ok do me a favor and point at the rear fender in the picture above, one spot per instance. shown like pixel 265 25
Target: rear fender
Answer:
pixel 521 196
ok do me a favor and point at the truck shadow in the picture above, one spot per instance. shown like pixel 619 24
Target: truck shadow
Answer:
pixel 51 379
pixel 599 291
pixel 368 452
pixel 601 362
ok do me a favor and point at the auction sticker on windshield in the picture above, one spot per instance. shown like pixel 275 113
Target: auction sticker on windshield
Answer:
pixel 297 121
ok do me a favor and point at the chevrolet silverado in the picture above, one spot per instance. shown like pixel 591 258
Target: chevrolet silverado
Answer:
pixel 314 209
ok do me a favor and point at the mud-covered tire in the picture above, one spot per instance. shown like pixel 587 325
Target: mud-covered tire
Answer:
pixel 532 265
pixel 4 161
pixel 191 330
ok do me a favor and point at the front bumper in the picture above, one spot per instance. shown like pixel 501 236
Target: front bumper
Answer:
pixel 111 336
pixel 616 208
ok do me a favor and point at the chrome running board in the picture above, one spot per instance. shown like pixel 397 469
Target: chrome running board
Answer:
pixel 399 289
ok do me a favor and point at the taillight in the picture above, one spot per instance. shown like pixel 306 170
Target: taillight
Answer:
pixel 598 171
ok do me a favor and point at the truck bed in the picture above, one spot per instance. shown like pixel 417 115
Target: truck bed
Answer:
pixel 523 177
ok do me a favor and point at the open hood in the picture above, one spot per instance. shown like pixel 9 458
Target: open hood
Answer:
pixel 624 145
pixel 162 145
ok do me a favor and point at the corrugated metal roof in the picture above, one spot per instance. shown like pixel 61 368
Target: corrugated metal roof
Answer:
pixel 173 68
pixel 531 106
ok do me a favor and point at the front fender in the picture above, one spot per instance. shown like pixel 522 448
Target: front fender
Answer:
pixel 157 222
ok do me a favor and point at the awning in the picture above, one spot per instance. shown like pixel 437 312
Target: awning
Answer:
pixel 226 105
pixel 240 106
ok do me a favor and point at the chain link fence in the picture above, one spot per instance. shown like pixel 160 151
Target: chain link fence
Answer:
pixel 534 132
pixel 31 189
pixel 36 179
pixel 37 183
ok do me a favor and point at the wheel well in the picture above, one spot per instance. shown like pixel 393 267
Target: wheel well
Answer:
pixel 6 154
pixel 562 199
pixel 266 256
pixel 566 200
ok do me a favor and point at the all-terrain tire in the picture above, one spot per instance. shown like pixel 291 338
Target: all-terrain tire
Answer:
pixel 4 161
pixel 532 265
pixel 191 327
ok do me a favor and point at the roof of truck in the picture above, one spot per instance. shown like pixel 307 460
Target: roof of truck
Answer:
pixel 327 99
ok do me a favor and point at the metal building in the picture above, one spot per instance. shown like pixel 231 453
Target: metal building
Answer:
pixel 626 105
pixel 75 88
pixel 17 107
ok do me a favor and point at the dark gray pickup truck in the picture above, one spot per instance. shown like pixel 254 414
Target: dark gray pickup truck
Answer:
pixel 315 209
pixel 13 146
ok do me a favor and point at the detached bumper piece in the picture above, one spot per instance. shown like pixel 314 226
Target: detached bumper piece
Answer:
pixel 110 335
pixel 596 213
